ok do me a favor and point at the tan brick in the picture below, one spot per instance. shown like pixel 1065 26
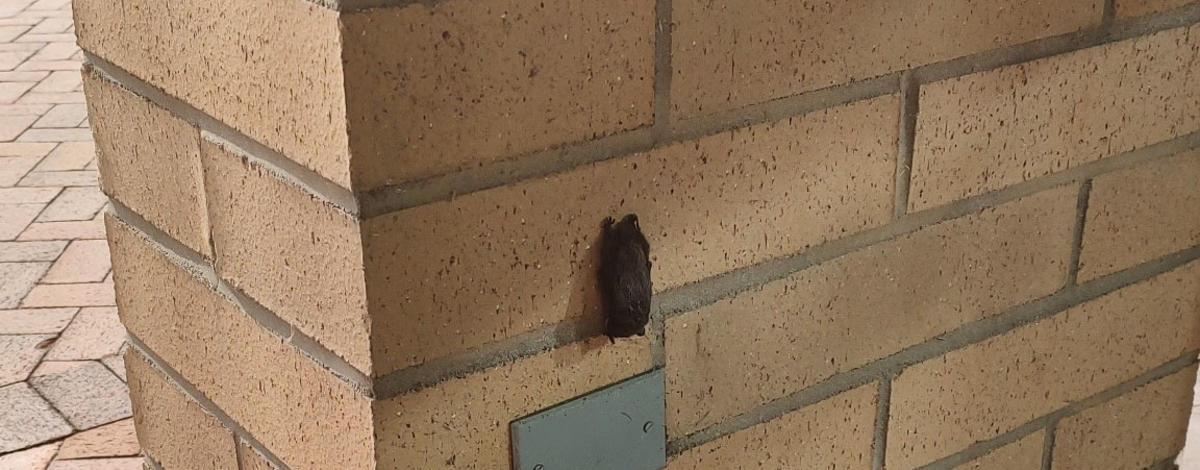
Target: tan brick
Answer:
pixel 1141 213
pixel 728 55
pixel 296 255
pixel 1125 9
pixel 238 62
pixel 172 427
pixel 500 262
pixel 465 82
pixel 996 385
pixel 463 423
pixel 1023 454
pixel 267 386
pixel 1135 430
pixel 731 356
pixel 989 130
pixel 149 161
pixel 252 460
pixel 835 433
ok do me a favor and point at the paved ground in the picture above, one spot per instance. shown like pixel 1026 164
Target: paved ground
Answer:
pixel 63 403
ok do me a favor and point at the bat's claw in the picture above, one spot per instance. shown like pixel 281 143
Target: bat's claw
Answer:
pixel 608 222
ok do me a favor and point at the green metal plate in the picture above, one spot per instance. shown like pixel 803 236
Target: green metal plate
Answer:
pixel 620 427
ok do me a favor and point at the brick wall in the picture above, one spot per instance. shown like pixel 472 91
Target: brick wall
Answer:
pixel 935 234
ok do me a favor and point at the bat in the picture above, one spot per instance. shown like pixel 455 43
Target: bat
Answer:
pixel 625 278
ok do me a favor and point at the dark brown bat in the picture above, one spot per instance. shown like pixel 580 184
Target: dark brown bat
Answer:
pixel 625 277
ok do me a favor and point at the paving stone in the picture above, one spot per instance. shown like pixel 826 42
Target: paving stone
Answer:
pixel 63 115
pixel 12 59
pixel 123 463
pixel 39 37
pixel 19 280
pixel 36 458
pixel 18 47
pixel 21 354
pixel 96 294
pixel 57 97
pixel 60 81
pixel 24 77
pixel 35 321
pixel 49 4
pixel 14 218
pixel 30 251
pixel 78 203
pixel 115 364
pixel 111 440
pixel 27 419
pixel 83 261
pixel 55 367
pixel 88 395
pixel 14 168
pixel 24 109
pixel 13 126
pixel 11 91
pixel 88 230
pixel 56 51
pixel 27 195
pixel 95 334
pixel 68 156
pixel 56 135
pixel 61 178
pixel 24 149
pixel 44 64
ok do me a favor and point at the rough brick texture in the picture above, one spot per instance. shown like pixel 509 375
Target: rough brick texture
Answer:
pixel 430 426
pixel 296 255
pixel 1025 453
pixel 864 306
pixel 512 259
pixel 990 387
pixel 821 300
pixel 989 130
pixel 729 55
pixel 279 58
pixel 835 433
pixel 433 89
pixel 171 427
pixel 265 385
pixel 1141 213
pixel 1136 430
pixel 149 161
pixel 1126 9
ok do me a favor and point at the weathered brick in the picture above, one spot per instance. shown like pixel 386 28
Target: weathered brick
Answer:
pixel 728 55
pixel 835 433
pixel 740 352
pixel 172 427
pixel 1126 9
pixel 463 423
pixel 267 386
pixel 1023 454
pixel 996 385
pixel 296 255
pixel 992 129
pixel 500 262
pixel 238 62
pixel 150 161
pixel 1141 213
pixel 433 89
pixel 1135 430
pixel 252 460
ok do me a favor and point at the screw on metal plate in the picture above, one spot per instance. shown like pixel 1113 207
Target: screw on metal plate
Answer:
pixel 614 428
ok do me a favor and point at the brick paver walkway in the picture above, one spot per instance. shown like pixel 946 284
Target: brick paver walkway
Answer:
pixel 63 399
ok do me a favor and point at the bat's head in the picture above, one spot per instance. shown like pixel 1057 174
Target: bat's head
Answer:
pixel 628 226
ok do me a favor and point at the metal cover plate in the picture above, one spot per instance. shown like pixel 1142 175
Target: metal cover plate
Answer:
pixel 615 428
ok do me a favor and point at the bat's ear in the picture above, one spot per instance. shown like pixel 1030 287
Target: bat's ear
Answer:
pixel 642 331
